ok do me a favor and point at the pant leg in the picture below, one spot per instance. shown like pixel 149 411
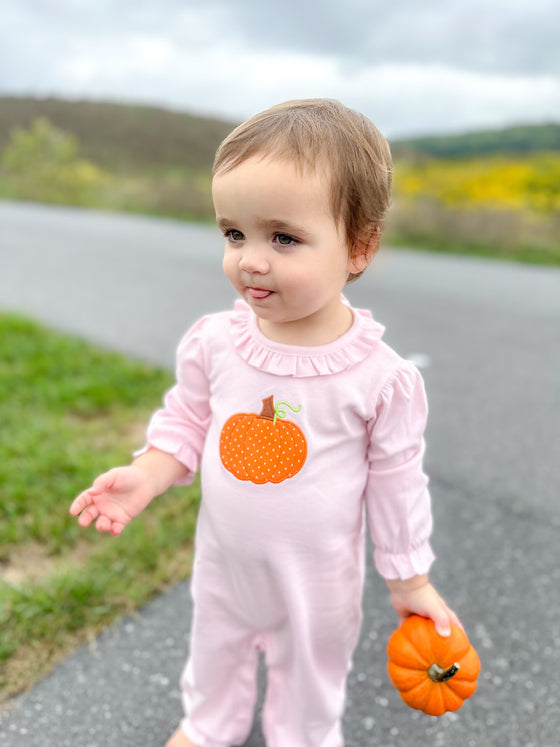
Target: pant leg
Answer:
pixel 308 661
pixel 219 680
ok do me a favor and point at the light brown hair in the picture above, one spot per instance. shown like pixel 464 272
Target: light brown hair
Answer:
pixel 324 132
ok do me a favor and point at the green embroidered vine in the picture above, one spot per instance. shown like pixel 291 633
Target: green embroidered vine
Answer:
pixel 278 413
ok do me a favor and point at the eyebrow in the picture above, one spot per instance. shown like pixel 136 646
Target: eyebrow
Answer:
pixel 280 226
pixel 224 222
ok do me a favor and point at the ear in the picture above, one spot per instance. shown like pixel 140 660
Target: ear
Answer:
pixel 364 249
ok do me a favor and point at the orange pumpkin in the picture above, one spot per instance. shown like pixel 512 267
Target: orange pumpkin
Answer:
pixel 265 447
pixel 431 673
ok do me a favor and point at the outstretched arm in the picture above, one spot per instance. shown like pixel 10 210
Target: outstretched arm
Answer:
pixel 119 495
pixel 417 596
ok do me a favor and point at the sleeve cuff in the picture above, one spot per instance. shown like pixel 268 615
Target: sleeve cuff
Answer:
pixel 184 454
pixel 404 565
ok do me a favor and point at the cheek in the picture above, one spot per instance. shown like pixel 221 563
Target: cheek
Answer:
pixel 295 278
pixel 340 264
pixel 229 266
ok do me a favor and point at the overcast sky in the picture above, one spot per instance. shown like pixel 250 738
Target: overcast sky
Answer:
pixel 413 66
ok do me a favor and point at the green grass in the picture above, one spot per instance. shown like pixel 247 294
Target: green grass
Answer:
pixel 547 255
pixel 497 234
pixel 70 411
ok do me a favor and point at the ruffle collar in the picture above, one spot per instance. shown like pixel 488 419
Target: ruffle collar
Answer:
pixel 292 360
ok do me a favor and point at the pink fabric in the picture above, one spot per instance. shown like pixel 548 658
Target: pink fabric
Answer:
pixel 280 566
pixel 363 412
pixel 290 360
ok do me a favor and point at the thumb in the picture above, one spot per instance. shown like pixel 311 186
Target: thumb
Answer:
pixel 442 625
pixel 107 481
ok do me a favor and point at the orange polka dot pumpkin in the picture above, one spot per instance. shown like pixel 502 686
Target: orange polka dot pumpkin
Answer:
pixel 263 448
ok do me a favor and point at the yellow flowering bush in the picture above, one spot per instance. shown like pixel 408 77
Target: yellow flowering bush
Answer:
pixel 531 183
pixel 498 206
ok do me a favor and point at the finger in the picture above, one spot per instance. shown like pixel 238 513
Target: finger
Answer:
pixel 90 514
pixel 105 482
pixel 455 620
pixel 117 528
pixel 442 624
pixel 79 503
pixel 103 524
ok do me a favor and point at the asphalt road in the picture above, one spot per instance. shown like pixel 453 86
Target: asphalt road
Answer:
pixel 486 335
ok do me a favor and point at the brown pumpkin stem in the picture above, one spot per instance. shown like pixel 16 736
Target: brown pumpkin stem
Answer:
pixel 437 674
pixel 267 411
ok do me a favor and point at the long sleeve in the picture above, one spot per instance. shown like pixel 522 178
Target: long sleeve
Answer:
pixel 179 428
pixel 397 497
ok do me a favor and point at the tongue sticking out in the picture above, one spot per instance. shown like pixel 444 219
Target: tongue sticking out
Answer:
pixel 259 293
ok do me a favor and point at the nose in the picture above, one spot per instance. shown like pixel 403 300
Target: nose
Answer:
pixel 254 260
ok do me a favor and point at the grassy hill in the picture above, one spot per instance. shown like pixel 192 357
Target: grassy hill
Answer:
pixel 131 136
pixel 121 136
pixel 519 140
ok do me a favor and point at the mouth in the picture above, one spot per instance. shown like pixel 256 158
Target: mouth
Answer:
pixel 259 293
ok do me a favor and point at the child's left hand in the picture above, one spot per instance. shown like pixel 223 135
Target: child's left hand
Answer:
pixel 417 596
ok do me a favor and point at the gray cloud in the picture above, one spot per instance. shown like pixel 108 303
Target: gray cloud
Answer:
pixel 502 37
pixel 413 66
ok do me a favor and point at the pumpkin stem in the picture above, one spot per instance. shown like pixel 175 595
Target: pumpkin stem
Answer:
pixel 270 412
pixel 437 674
pixel 267 412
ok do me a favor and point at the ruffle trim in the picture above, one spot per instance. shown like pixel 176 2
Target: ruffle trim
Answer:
pixel 291 360
pixel 404 565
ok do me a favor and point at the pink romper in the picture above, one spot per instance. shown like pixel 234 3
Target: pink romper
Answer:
pixel 293 444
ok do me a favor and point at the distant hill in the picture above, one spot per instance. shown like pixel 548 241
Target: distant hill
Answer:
pixel 132 136
pixel 122 135
pixel 511 140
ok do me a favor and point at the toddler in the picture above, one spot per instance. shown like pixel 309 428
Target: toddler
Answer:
pixel 307 428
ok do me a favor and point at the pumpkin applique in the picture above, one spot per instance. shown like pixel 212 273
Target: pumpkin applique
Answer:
pixel 432 674
pixel 263 448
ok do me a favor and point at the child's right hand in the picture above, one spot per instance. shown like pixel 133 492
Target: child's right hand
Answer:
pixel 114 499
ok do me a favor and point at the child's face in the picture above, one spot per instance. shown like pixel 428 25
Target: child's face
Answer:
pixel 285 254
